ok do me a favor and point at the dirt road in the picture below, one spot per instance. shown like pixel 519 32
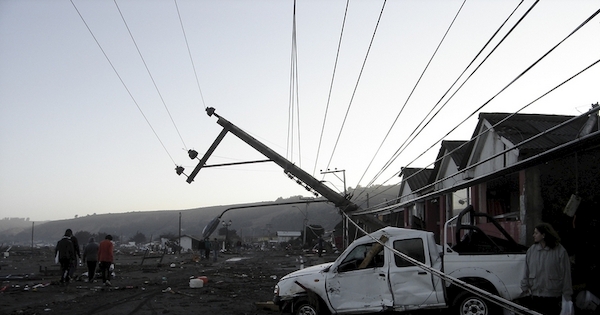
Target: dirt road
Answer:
pixel 237 284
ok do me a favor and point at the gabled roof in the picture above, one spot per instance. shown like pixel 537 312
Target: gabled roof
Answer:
pixel 190 236
pixel 524 126
pixel 520 127
pixel 458 149
pixel 416 178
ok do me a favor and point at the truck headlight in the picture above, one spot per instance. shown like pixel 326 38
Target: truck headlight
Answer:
pixel 276 290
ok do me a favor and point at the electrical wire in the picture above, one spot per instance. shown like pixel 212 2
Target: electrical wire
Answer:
pixel 496 299
pixel 149 73
pixel 357 82
pixel 190 54
pixel 508 85
pixel 337 56
pixel 414 134
pixel 122 82
pixel 411 93
pixel 294 103
pixel 432 184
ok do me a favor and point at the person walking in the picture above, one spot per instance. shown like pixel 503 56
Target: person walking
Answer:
pixel 77 257
pixel 320 246
pixel 201 249
pixel 105 257
pixel 215 247
pixel 66 253
pixel 90 256
pixel 207 245
pixel 547 272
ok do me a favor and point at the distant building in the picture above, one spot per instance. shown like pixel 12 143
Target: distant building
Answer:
pixel 286 236
pixel 189 242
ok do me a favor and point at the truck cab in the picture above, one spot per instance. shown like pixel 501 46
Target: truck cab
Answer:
pixel 368 277
pixel 397 269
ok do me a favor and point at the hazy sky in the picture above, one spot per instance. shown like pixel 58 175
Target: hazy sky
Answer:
pixel 100 100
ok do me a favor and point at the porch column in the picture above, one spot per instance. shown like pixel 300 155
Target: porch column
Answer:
pixel 531 203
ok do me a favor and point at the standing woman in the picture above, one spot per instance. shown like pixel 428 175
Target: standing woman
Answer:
pixel 547 272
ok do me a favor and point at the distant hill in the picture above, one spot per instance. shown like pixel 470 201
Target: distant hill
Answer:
pixel 254 221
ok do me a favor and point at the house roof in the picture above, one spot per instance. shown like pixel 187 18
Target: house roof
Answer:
pixel 517 128
pixel 457 150
pixel 521 127
pixel 415 177
pixel 190 236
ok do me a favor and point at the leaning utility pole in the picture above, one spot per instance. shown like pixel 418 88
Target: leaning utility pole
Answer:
pixel 290 169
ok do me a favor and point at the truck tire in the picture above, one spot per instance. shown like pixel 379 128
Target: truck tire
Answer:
pixel 303 307
pixel 467 303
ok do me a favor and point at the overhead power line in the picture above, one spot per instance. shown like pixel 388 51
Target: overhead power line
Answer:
pixel 505 87
pixel 122 82
pixel 511 82
pixel 337 56
pixel 190 54
pixel 149 73
pixel 357 82
pixel 294 102
pixel 411 93
pixel 376 208
pixel 416 131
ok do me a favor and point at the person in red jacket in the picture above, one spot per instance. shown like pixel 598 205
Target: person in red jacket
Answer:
pixel 105 257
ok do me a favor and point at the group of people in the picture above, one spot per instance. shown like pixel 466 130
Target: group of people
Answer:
pixel 209 246
pixel 95 255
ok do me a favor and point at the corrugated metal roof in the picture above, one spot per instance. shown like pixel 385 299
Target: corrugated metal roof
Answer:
pixel 457 156
pixel 521 127
pixel 416 177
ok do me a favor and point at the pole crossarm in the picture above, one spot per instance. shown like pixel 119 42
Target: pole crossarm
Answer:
pixel 289 168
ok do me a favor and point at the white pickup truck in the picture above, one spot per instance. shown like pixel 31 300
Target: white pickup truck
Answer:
pixel 370 277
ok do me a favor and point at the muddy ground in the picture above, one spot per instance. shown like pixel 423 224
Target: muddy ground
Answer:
pixel 237 284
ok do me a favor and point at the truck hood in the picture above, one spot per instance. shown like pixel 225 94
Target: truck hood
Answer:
pixel 307 271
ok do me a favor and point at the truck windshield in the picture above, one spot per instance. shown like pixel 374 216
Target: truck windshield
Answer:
pixel 355 258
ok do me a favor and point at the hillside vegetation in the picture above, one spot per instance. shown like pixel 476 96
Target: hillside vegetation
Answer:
pixel 253 221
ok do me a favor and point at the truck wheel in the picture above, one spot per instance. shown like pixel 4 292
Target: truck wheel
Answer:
pixel 303 307
pixel 467 303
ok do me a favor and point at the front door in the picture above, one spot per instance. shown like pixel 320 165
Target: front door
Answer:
pixel 412 286
pixel 351 289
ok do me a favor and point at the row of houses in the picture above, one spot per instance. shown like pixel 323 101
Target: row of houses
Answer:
pixel 193 243
pixel 522 169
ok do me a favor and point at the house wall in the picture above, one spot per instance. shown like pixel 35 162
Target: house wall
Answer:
pixel 432 217
pixel 406 194
pixel 533 203
pixel 489 145
pixel 186 243
pixel 449 171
